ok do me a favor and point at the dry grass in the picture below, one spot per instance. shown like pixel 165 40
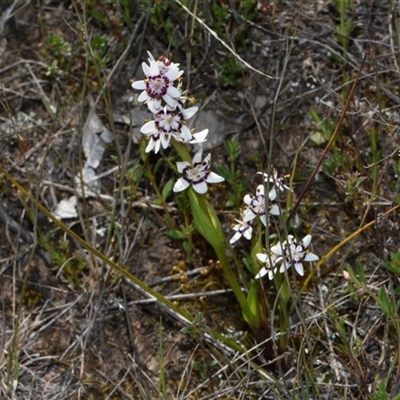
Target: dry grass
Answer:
pixel 71 325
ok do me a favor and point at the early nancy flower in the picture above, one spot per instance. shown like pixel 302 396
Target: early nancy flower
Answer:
pixel 197 174
pixel 276 180
pixel 158 84
pixel 293 252
pixel 199 137
pixel 163 63
pixel 167 123
pixel 242 228
pixel 256 205
pixel 270 261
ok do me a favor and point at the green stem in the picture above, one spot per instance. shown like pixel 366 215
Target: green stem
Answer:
pixel 230 276
pixel 208 225
pixel 182 150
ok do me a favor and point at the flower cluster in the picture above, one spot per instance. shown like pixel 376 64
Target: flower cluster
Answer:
pixel 288 253
pixel 281 256
pixel 258 205
pixel 162 93
pixel 166 102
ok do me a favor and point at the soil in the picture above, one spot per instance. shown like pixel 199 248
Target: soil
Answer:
pixel 71 327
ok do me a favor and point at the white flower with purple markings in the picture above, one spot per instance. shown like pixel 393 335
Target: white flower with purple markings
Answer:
pixel 242 228
pixel 270 262
pixel 294 253
pixel 168 123
pixel 197 174
pixel 158 84
pixel 277 181
pixel 257 205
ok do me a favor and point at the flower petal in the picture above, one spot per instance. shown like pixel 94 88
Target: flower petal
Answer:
pixel 150 146
pixel 214 178
pixel 262 257
pixel 140 85
pixel 260 189
pixel 311 257
pixel 152 107
pixel 235 237
pixel 165 140
pixel 151 57
pixel 197 157
pixel 181 165
pixel 154 70
pixel 284 267
pixel 148 128
pixel 189 112
pixel 306 241
pixel 249 216
pixel 169 100
pixel 247 199
pixel 274 210
pixel 185 133
pixel 199 137
pixel 299 268
pixel 173 92
pixel 155 105
pixel 172 74
pixel 146 69
pixel 277 249
pixel 248 232
pixel 142 97
pixel 262 272
pixel 200 187
pixel 272 194
pixel 180 185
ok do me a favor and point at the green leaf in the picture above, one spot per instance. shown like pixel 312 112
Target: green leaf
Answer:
pixel 143 155
pixel 247 264
pixel 340 326
pixel 360 270
pixel 394 264
pixel 251 308
pixel 230 203
pixel 207 223
pixel 167 189
pixel 353 276
pixel 224 172
pixel 187 247
pixel 175 234
pixel 348 27
pixel 206 220
pixel 384 302
pixel 391 267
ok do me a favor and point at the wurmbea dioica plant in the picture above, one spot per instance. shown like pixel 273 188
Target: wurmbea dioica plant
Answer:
pixel 162 93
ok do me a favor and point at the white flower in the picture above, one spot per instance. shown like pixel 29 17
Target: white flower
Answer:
pixel 242 228
pixel 270 261
pixel 276 180
pixel 167 123
pixel 197 174
pixel 256 205
pixel 199 137
pixel 164 64
pixel 294 253
pixel 158 84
